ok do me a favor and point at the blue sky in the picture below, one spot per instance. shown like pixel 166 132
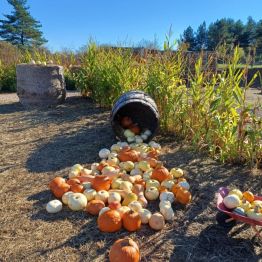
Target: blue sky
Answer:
pixel 69 24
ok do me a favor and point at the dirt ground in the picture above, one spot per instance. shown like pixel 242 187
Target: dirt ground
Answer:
pixel 37 145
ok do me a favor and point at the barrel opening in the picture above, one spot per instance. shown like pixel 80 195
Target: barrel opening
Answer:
pixel 140 113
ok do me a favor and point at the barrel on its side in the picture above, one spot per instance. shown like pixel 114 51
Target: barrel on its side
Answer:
pixel 40 85
pixel 140 107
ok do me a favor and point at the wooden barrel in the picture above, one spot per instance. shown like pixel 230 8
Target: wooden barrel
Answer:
pixel 140 107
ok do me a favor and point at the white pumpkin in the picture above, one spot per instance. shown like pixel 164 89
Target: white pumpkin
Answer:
pixel 164 204
pixel 102 195
pixel 77 201
pixel 116 183
pixel 127 166
pixel 66 196
pixel 103 153
pixel 176 172
pixel 94 166
pixel 145 215
pixel 114 196
pixel 167 196
pixel 184 184
pixel 144 166
pixel 109 171
pixel 231 201
pixel 115 148
pixel 126 186
pixel 136 172
pixel 90 194
pixel 151 193
pixel 130 139
pixel 122 210
pixel 103 210
pixel 152 183
pixel 168 184
pixel 128 133
pixel 87 185
pixel 135 206
pixel 157 221
pixel 54 206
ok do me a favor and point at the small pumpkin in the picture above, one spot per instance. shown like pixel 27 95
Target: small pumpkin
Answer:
pixel 66 196
pixel 152 183
pixel 152 193
pixel 157 221
pixel 135 206
pixel 103 210
pixel 122 210
pixel 124 250
pixel 131 221
pixel 248 195
pixel 184 184
pixel 90 194
pixel 160 173
pixel 110 221
pixel 102 195
pixel 130 197
pixel 168 184
pixel 126 186
pixel 114 205
pixel 167 196
pixel 236 192
pixel 76 185
pixel 116 183
pixel 58 186
pixel 114 197
pixel 126 122
pixel 183 196
pixel 94 206
pixel 77 201
pixel 103 153
pixel 128 154
pixel 54 206
pixel 176 172
pixel 231 201
pixel 145 215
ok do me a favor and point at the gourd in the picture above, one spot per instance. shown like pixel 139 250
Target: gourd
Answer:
pixel 135 206
pixel 90 194
pixel 231 201
pixel 130 197
pixel 58 186
pixel 76 185
pixel 54 206
pixel 184 184
pixel 183 196
pixel 110 221
pixel 236 192
pixel 157 221
pixel 112 161
pixel 126 185
pixel 124 250
pixel 136 172
pixel 128 154
pixel 128 165
pixel 103 153
pixel 144 166
pixel 139 191
pixel 86 172
pixel 110 171
pixel 152 183
pixel 160 173
pixel 176 172
pixel 103 210
pixel 128 133
pixel 168 184
pixel 113 196
pixel 102 195
pixel 115 148
pixel 166 210
pixel 245 205
pixel 66 196
pixel 145 215
pixel 77 201
pixel 131 179
pixel 94 206
pixel 151 193
pixel 131 221
pixel 167 196
pixel 75 170
pixel 116 183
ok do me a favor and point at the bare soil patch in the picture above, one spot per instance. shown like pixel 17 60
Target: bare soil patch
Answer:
pixel 37 145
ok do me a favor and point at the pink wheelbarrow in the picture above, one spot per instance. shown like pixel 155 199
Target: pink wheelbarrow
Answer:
pixel 227 219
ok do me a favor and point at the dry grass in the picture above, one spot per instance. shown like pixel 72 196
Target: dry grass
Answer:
pixel 38 145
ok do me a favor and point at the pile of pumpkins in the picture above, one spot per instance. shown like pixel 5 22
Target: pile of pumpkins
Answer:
pixel 244 204
pixel 118 188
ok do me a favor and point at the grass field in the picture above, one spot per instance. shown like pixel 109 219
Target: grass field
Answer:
pixel 37 145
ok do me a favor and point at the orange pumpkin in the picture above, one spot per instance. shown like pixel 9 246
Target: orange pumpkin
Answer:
pixel 135 129
pixel 180 179
pixel 73 181
pixel 114 205
pixel 101 165
pixel 152 161
pixel 124 250
pixel 163 189
pixel 94 206
pixel 76 185
pixel 183 196
pixel 128 154
pixel 248 196
pixel 131 221
pixel 175 188
pixel 126 122
pixel 160 173
pixel 109 221
pixel 153 153
pixel 101 183
pixel 58 186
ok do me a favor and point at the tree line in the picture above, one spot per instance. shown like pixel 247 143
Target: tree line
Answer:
pixel 224 31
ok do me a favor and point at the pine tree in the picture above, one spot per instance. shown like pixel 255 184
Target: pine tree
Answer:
pixel 201 37
pixel 188 37
pixel 20 28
